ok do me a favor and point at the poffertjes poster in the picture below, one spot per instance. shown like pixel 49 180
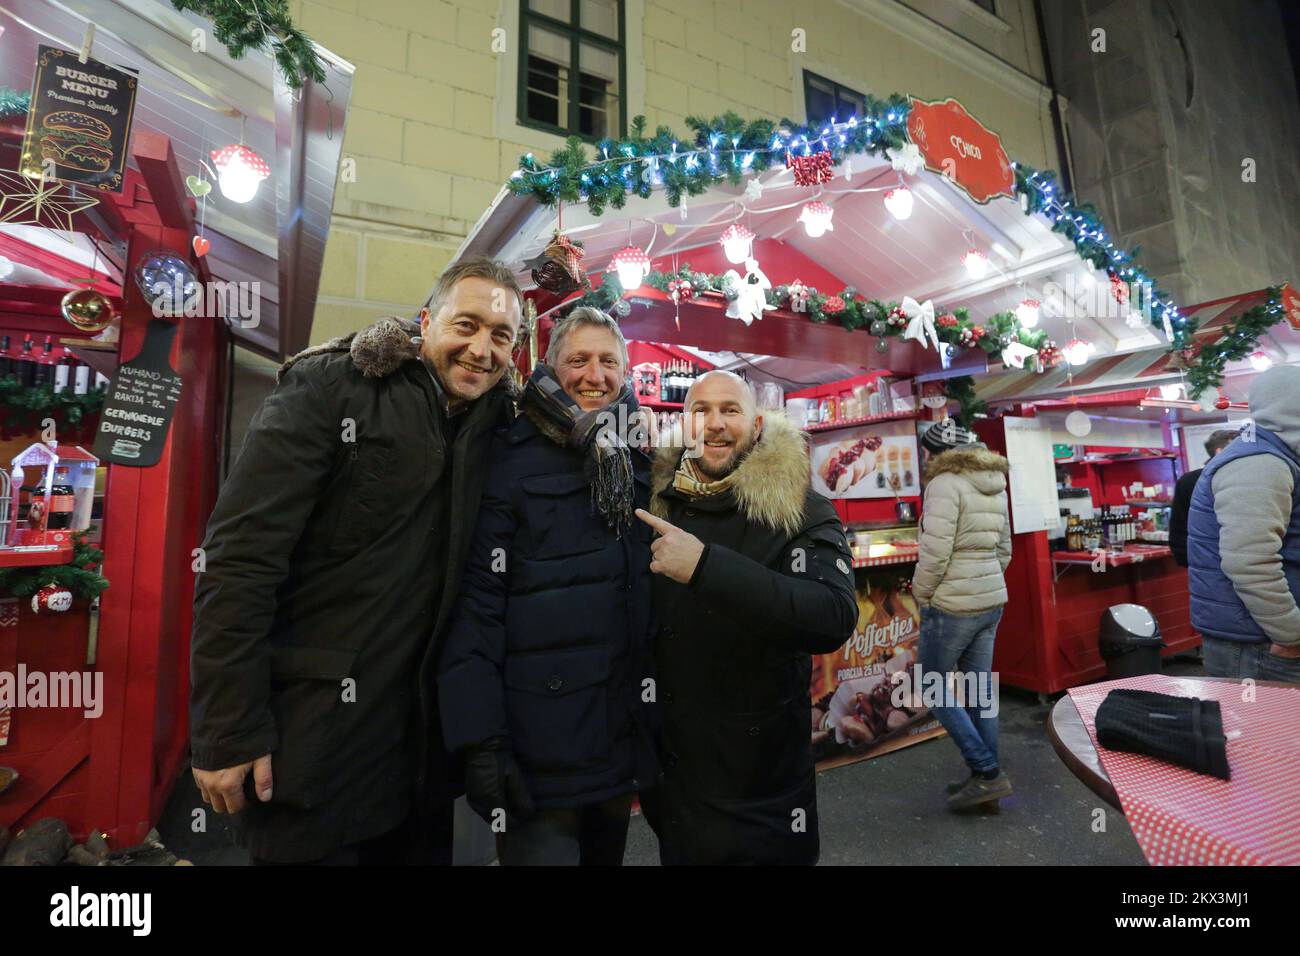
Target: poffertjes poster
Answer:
pixel 856 697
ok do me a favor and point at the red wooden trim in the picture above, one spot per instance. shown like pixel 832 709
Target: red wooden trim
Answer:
pixel 172 204
pixel 45 774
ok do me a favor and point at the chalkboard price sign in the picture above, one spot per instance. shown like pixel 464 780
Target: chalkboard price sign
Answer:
pixel 142 399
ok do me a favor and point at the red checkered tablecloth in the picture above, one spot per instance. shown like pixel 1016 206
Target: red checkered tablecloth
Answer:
pixel 1184 818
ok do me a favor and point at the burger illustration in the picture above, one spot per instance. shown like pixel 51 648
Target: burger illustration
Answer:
pixel 77 140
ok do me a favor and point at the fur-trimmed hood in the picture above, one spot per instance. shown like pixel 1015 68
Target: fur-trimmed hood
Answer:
pixel 771 484
pixel 378 350
pixel 985 469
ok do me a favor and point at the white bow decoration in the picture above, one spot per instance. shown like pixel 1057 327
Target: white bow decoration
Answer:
pixel 906 159
pixel 922 322
pixel 751 302
pixel 1014 355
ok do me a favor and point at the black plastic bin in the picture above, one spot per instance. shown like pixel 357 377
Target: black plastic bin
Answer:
pixel 1130 641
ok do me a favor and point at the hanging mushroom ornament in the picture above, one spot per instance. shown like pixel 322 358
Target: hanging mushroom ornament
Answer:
pixel 239 171
pixel 736 242
pixel 632 265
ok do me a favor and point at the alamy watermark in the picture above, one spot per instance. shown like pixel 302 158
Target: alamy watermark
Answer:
pixel 83 690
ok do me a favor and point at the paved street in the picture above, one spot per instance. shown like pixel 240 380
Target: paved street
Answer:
pixel 887 811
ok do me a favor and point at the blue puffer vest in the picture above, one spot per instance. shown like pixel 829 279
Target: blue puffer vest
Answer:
pixel 1217 611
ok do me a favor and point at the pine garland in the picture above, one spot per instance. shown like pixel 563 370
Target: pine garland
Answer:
pixel 961 390
pixel 954 328
pixel 24 407
pixel 269 29
pixel 728 148
pixel 80 575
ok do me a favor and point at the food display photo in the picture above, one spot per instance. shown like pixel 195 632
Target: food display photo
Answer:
pixel 873 461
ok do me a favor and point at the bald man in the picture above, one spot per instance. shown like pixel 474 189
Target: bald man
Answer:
pixel 752 576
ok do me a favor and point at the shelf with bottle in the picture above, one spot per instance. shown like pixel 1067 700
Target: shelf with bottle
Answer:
pixel 664 384
pixel 868 420
pixel 49 364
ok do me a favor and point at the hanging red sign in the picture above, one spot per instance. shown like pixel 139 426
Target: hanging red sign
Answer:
pixel 957 146
pixel 1291 305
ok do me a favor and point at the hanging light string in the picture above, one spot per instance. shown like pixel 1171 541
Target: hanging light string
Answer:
pixel 783 141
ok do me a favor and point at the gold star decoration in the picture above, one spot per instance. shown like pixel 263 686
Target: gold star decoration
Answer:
pixel 36 202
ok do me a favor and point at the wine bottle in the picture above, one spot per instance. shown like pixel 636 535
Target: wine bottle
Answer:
pixel 44 373
pixel 27 363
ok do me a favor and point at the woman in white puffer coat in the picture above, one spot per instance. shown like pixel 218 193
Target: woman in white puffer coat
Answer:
pixel 959 586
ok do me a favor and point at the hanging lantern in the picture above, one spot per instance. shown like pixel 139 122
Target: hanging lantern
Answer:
pixel 1077 351
pixel 816 219
pixel 88 310
pixel 976 263
pixel 1260 361
pixel 1027 312
pixel 736 242
pixel 239 171
pixel 632 265
pixel 899 202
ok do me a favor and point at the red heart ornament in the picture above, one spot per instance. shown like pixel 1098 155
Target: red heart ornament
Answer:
pixel 201 246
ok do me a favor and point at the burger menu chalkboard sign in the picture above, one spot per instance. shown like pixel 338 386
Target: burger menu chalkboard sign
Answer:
pixel 79 122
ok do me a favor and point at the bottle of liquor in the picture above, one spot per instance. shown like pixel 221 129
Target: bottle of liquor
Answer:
pixel 61 500
pixel 27 362
pixel 62 372
pixel 81 379
pixel 44 374
pixel 6 360
pixel 101 382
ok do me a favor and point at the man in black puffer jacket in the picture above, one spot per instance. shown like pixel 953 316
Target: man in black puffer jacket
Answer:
pixel 547 656
pixel 752 575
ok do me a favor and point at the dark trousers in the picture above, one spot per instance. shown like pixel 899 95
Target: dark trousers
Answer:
pixel 422 840
pixel 595 835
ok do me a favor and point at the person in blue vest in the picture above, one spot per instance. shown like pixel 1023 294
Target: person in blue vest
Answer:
pixel 1243 541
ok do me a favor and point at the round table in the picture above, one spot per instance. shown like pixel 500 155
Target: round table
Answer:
pixel 1073 745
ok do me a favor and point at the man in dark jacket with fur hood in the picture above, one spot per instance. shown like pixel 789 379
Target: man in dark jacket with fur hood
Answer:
pixel 331 557
pixel 753 575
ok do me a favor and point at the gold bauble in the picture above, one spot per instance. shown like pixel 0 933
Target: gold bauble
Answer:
pixel 88 310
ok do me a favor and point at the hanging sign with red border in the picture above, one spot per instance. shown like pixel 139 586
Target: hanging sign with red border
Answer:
pixel 958 147
pixel 1291 305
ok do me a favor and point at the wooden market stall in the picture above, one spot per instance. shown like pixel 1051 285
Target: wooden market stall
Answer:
pixel 985 293
pixel 249 276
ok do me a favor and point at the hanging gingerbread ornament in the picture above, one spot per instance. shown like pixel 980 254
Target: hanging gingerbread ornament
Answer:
pixel 810 170
pixel 51 599
pixel 558 269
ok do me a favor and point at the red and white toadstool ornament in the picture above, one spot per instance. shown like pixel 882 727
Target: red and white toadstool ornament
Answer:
pixel 239 171
pixel 632 265
pixel 816 219
pixel 736 242
pixel 1077 351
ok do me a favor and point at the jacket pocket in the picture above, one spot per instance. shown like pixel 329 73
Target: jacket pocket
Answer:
pixel 559 514
pixel 306 700
pixel 557 709
pixel 377 479
pixel 762 754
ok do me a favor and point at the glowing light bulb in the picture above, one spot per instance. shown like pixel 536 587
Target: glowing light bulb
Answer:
pixel 1077 351
pixel 899 202
pixel 1027 312
pixel 239 171
pixel 816 218
pixel 632 266
pixel 1260 362
pixel 1171 393
pixel 736 243
pixel 976 263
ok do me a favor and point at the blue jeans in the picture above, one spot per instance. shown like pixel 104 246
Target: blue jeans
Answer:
pixel 963 643
pixel 1242 659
